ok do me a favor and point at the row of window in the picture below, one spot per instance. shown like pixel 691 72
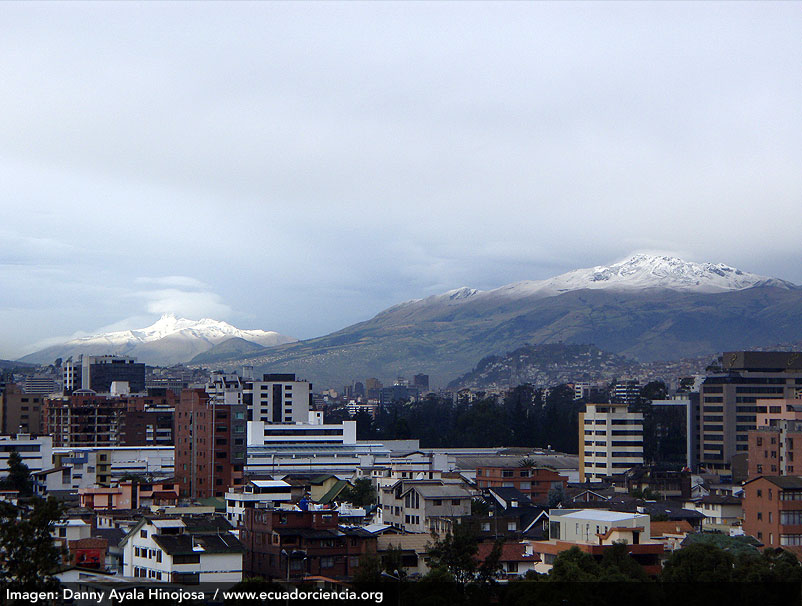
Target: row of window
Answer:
pixel 150 554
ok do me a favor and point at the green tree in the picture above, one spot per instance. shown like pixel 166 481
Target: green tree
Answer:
pixel 556 496
pixel 699 562
pixel 455 553
pixel 30 556
pixel 574 565
pixel 617 565
pixel 19 476
pixel 361 494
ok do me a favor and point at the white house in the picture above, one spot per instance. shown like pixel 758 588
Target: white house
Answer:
pixel 185 549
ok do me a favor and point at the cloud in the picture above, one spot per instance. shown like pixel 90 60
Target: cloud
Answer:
pixel 176 281
pixel 191 304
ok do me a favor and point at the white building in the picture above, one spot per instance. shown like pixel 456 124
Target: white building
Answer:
pixel 36 453
pixel 610 441
pixel 188 549
pixel 262 494
pixel 279 398
pixel 585 525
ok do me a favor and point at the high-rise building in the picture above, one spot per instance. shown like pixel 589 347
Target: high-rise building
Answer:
pixel 728 405
pixel 626 392
pixel 421 382
pixel 99 372
pixel 20 412
pixel 610 440
pixel 210 446
pixel 279 398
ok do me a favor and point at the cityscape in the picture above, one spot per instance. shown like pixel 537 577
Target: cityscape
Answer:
pixel 406 303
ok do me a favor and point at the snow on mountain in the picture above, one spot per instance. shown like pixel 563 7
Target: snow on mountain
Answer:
pixel 170 340
pixel 641 271
pixel 636 272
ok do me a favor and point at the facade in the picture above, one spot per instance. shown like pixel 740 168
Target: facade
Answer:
pixel 729 405
pixel 97 373
pixel 775 447
pixel 210 448
pixel 626 392
pixel 773 511
pixel 610 441
pixel 278 398
pixel 596 530
pixel 183 549
pixel 20 411
pixel 720 511
pixel 85 418
pixel 256 494
pixel 423 505
pixel 534 482
pixel 35 452
pixel 296 544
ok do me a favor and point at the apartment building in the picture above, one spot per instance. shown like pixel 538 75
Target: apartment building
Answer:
pixel 20 411
pixel 210 450
pixel 278 398
pixel 775 447
pixel 534 482
pixel 183 549
pixel 424 505
pixel 773 511
pixel 295 544
pixel 610 440
pixel 730 401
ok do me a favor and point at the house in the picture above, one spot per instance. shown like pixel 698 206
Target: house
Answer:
pixel 594 531
pixel 423 505
pixel 516 559
pixel 413 547
pixel 671 534
pixel 183 549
pixel 293 544
pixel 264 494
pixel 719 511
pixel 534 482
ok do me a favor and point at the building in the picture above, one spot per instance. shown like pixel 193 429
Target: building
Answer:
pixel 773 511
pixel 210 450
pixel 129 495
pixel 775 447
pixel 729 400
pixel 35 452
pixel 421 383
pixel 721 511
pixel 258 494
pixel 35 384
pixel 670 438
pixel 610 441
pixel 534 482
pixel 20 411
pixel 596 530
pixel 183 549
pixel 424 505
pixel 279 398
pixel 85 418
pixel 626 392
pixel 99 372
pixel 296 544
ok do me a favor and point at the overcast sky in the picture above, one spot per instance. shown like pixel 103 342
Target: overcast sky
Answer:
pixel 299 167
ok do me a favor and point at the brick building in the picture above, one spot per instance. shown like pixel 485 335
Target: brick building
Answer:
pixel 293 544
pixel 534 482
pixel 775 447
pixel 20 412
pixel 773 511
pixel 210 445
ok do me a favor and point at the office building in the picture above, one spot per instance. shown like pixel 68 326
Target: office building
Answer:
pixel 610 441
pixel 729 406
pixel 279 398
pixel 99 372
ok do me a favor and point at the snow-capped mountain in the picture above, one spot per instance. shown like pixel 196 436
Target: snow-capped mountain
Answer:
pixel 170 340
pixel 636 272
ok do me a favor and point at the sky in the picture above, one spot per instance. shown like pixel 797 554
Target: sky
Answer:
pixel 299 167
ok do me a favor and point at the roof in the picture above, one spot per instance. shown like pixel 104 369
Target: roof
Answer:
pixel 270 483
pixel 184 544
pixel 600 515
pixel 676 527
pixel 784 482
pixel 322 478
pixel 510 552
pixel 333 492
pixel 509 494
pixel 309 533
pixel 719 500
pixel 112 535
pixel 436 491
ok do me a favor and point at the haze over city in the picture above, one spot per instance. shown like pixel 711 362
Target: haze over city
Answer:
pixel 300 167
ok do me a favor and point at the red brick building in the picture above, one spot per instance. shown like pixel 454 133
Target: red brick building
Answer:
pixel 210 445
pixel 773 511
pixel 89 419
pixel 295 544
pixel 776 449
pixel 534 482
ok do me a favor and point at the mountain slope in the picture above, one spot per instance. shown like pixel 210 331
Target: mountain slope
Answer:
pixel 647 308
pixel 170 340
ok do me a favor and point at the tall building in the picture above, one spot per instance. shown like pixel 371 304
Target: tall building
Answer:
pixel 279 398
pixel 610 441
pixel 20 412
pixel 728 405
pixel 773 511
pixel 99 372
pixel 626 392
pixel 421 383
pixel 775 447
pixel 210 446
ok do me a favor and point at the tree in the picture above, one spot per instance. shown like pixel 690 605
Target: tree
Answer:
pixel 19 476
pixel 617 565
pixel 556 496
pixel 361 494
pixel 30 556
pixel 456 553
pixel 574 565
pixel 699 562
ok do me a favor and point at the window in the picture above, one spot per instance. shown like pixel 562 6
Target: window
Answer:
pixel 759 515
pixel 327 562
pixel 485 526
pixel 437 502
pixel 455 502
pixel 143 533
pixel 512 566
pixel 512 526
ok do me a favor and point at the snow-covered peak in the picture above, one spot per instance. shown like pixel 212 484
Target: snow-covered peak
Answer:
pixel 641 271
